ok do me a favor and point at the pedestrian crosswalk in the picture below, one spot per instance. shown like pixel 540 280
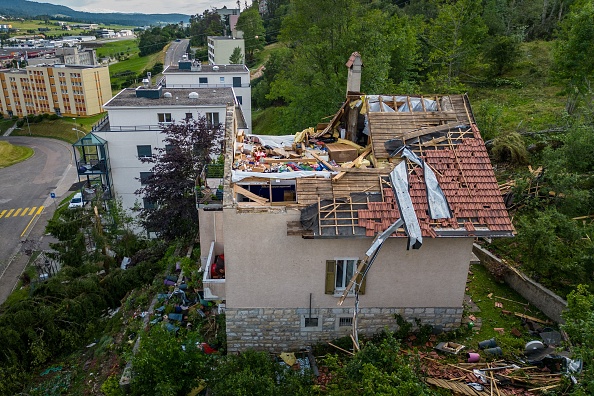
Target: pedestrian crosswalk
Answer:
pixel 21 212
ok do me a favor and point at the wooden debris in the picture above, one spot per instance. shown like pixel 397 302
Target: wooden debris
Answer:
pixel 498 304
pixel 499 330
pixel 507 299
pixel 520 315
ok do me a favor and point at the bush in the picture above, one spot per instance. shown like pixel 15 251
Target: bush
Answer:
pixel 20 123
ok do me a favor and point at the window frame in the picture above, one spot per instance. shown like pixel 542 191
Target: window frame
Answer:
pixel 144 176
pixel 210 119
pixel 202 80
pixel 144 146
pixel 166 117
pixel 306 316
pixel 332 274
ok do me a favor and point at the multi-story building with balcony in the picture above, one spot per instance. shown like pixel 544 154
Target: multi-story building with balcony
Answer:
pixel 220 48
pixel 71 90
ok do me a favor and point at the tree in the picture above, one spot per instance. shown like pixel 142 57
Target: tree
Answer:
pixel 454 38
pixel 166 365
pixel 573 54
pixel 579 325
pixel 255 373
pixel 202 26
pixel 236 57
pixel 250 23
pixel 189 147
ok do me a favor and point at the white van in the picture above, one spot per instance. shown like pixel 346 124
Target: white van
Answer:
pixel 76 201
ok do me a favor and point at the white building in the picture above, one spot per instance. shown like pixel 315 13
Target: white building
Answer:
pixel 220 48
pixel 134 128
pixel 193 74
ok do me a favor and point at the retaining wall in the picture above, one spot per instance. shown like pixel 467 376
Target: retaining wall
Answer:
pixel 542 298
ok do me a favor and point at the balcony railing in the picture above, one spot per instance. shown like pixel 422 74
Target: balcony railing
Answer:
pixel 214 289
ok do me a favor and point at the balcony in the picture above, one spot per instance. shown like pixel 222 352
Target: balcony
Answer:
pixel 214 289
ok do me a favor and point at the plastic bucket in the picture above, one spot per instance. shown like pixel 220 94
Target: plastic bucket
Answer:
pixel 473 357
pixel 494 351
pixel 487 344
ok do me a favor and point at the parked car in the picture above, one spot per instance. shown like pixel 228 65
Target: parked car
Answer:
pixel 76 201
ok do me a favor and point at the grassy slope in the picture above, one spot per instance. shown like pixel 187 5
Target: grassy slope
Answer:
pixel 10 154
pixel 114 47
pixel 59 129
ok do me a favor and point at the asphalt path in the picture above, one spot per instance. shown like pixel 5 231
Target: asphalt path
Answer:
pixel 175 51
pixel 27 186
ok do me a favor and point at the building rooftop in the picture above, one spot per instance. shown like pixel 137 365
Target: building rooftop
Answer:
pixel 224 38
pixel 380 157
pixel 203 68
pixel 178 97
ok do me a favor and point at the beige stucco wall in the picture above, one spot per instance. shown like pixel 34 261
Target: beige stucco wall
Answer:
pixel 211 229
pixel 267 268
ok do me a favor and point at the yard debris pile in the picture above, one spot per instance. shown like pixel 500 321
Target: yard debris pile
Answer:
pixel 498 377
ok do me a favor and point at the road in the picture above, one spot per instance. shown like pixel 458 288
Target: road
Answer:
pixel 175 51
pixel 25 203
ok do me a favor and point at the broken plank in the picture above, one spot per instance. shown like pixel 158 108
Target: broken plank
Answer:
pixel 523 316
pixel 426 131
pixel 352 164
pixel 284 160
pixel 323 161
pixel 256 198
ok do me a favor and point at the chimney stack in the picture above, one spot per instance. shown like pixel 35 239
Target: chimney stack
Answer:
pixel 355 65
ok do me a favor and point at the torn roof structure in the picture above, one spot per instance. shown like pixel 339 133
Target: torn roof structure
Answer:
pixel 341 175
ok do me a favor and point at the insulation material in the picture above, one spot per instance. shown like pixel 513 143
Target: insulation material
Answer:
pixel 438 204
pixel 399 179
pixel 237 176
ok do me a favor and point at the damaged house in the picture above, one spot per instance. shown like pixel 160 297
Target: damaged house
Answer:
pixel 299 213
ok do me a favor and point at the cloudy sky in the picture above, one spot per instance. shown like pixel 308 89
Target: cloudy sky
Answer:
pixel 188 7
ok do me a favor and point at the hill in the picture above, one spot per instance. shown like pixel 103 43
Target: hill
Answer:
pixel 29 9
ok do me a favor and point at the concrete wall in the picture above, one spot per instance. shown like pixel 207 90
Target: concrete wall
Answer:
pixel 125 164
pixel 147 116
pixel 542 298
pixel 211 229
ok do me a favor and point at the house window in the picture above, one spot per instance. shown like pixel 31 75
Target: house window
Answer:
pixel 189 116
pixel 338 274
pixel 203 80
pixel 212 119
pixel 144 177
pixel 144 151
pixel 222 80
pixel 164 117
pixel 169 148
pixel 237 82
pixel 148 204
pixel 240 100
pixel 311 322
pixel 345 321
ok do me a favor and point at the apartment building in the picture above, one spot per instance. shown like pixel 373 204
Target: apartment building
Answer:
pixel 220 49
pixel 64 90
pixel 193 74
pixel 136 118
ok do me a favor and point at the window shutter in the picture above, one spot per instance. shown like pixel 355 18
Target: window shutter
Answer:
pixel 330 276
pixel 362 283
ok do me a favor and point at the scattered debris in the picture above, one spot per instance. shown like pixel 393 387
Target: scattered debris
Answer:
pixel 450 347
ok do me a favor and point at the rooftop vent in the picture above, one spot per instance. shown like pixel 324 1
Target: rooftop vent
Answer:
pixel 215 68
pixel 167 95
pixel 193 95
pixel 146 82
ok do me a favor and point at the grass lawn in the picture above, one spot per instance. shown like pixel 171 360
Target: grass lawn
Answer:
pixel 11 154
pixel 55 30
pixel 135 65
pixel 480 285
pixel 115 47
pixel 58 129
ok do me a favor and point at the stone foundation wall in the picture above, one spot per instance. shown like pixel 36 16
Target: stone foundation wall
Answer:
pixel 278 330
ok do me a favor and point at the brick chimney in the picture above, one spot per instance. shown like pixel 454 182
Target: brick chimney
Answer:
pixel 355 65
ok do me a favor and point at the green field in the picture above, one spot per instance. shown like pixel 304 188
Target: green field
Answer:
pixel 127 47
pixel 52 24
pixel 121 71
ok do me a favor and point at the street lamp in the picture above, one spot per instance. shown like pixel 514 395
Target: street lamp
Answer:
pixel 77 131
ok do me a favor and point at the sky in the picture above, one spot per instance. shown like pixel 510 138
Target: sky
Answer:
pixel 188 7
